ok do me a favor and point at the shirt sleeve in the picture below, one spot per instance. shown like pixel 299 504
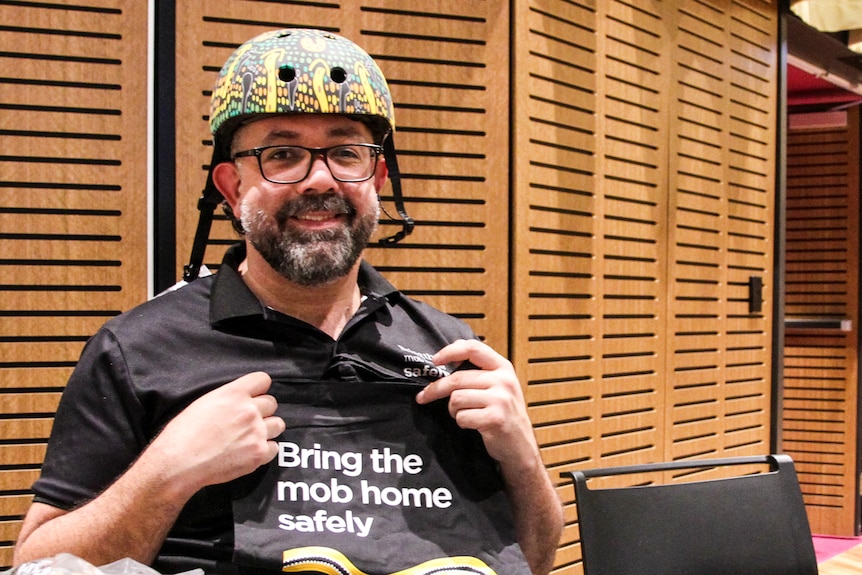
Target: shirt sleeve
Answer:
pixel 98 428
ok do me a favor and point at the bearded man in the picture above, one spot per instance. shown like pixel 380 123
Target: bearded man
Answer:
pixel 178 412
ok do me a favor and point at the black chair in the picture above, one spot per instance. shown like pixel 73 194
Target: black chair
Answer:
pixel 753 524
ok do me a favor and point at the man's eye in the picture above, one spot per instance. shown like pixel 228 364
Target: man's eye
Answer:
pixel 284 155
pixel 345 154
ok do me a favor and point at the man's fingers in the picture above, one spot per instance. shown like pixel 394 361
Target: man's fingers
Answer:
pixel 472 350
pixel 432 392
pixel 275 426
pixel 255 383
pixel 445 386
pixel 266 404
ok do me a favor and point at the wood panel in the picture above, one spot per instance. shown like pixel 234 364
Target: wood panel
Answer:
pixel 447 65
pixel 720 228
pixel 73 197
pixel 590 211
pixel 643 203
pixel 820 408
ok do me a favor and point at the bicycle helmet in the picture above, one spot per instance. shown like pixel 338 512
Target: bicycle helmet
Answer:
pixel 297 71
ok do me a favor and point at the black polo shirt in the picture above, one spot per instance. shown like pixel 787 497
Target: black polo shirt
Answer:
pixel 146 365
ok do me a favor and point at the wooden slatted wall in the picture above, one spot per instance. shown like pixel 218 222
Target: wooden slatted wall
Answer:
pixel 820 411
pixel 447 65
pixel 73 195
pixel 643 203
pixel 638 179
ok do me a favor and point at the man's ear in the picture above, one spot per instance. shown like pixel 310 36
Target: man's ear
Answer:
pixel 381 172
pixel 226 179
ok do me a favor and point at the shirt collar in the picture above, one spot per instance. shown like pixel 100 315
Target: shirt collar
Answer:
pixel 231 298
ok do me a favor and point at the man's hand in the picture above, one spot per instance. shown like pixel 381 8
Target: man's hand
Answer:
pixel 488 399
pixel 223 435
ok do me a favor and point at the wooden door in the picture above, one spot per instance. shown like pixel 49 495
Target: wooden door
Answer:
pixel 821 387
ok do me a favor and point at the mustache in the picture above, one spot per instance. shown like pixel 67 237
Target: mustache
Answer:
pixel 314 203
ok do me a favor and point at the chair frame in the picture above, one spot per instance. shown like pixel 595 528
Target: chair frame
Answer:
pixel 752 524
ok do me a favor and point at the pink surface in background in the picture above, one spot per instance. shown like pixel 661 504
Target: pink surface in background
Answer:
pixel 826 547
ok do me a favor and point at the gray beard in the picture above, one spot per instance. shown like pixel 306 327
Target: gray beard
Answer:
pixel 310 258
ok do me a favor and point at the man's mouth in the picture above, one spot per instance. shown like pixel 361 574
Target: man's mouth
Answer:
pixel 318 217
pixel 316 210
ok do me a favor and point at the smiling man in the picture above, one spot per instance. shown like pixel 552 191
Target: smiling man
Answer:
pixel 305 188
pixel 318 235
pixel 412 448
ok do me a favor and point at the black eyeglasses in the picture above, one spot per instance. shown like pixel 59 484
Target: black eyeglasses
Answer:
pixel 292 164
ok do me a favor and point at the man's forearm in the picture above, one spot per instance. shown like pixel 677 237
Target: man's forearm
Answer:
pixel 538 516
pixel 130 519
pixel 134 515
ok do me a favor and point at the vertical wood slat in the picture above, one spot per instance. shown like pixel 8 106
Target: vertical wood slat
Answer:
pixel 589 210
pixel 720 233
pixel 72 209
pixel 447 66
pixel 556 276
pixel 820 413
pixel 631 243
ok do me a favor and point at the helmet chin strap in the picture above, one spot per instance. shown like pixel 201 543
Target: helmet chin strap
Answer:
pixel 211 198
pixel 207 203
pixel 407 223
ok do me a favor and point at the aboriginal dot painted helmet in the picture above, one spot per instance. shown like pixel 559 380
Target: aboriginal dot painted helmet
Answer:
pixel 299 71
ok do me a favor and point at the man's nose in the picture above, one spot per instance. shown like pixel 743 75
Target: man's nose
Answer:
pixel 320 174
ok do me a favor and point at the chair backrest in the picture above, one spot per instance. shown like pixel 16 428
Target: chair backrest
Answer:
pixel 752 524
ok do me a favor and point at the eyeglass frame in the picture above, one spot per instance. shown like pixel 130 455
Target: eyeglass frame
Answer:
pixel 323 152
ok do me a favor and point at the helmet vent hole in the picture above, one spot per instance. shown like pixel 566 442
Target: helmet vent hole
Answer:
pixel 338 75
pixel 286 74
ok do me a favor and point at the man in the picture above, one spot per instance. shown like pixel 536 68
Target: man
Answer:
pixel 172 408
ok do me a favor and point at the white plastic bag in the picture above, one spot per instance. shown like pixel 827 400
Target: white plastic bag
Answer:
pixel 68 564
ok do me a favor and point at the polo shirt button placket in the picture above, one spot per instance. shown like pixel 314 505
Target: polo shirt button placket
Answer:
pixel 346 372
